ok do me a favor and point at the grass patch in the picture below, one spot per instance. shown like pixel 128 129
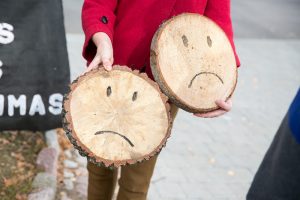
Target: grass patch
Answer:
pixel 18 153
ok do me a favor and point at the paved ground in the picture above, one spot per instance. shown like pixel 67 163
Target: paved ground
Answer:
pixel 215 159
pixel 265 19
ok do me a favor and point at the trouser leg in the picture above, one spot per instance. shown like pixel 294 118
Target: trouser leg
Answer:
pixel 101 182
pixel 135 180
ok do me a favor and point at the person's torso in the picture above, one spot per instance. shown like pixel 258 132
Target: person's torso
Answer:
pixel 136 24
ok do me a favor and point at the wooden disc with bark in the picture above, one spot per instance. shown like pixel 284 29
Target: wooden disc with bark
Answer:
pixel 116 118
pixel 193 62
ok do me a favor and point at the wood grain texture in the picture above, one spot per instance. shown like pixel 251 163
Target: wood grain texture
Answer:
pixel 193 62
pixel 116 118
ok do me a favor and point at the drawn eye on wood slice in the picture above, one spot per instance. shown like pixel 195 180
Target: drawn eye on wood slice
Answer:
pixel 193 62
pixel 116 118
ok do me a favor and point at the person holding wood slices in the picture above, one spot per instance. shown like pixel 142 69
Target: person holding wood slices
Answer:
pixel 120 32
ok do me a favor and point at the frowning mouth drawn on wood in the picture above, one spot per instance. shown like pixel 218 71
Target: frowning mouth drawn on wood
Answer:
pixel 207 73
pixel 113 132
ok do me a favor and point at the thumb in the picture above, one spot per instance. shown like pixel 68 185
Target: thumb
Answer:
pixel 94 64
pixel 107 64
pixel 225 105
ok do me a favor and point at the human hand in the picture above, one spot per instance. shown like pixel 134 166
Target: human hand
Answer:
pixel 225 106
pixel 104 53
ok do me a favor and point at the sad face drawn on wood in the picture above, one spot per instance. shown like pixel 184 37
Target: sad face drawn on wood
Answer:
pixel 193 62
pixel 118 117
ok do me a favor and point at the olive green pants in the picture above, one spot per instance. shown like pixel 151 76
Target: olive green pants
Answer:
pixel 134 179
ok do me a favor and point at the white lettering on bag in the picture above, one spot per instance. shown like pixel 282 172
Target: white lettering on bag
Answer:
pixel 11 103
pixel 16 103
pixel 6 33
pixel 6 36
pixel 1 72
pixel 37 106
pixel 55 101
pixel 1 104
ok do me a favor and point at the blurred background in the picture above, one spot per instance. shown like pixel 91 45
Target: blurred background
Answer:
pixel 209 159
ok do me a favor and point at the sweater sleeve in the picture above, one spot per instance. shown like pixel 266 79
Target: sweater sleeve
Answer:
pixel 219 12
pixel 97 16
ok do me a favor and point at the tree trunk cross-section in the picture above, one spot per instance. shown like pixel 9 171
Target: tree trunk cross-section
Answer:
pixel 116 118
pixel 193 62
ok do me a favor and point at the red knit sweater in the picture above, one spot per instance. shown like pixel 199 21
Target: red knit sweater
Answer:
pixel 131 24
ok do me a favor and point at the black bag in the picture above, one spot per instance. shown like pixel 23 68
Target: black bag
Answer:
pixel 34 67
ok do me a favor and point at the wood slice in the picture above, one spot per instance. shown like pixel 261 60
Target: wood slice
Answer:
pixel 116 118
pixel 193 62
